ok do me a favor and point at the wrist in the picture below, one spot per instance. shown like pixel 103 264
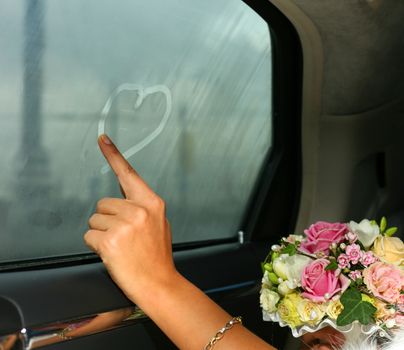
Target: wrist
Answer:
pixel 154 291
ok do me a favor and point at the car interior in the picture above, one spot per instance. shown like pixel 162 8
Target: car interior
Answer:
pixel 251 119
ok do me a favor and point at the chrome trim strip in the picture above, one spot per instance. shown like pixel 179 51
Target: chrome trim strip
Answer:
pixel 58 332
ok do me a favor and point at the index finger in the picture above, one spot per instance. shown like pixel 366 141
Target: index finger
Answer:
pixel 132 184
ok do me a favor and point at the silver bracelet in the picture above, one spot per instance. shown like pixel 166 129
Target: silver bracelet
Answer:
pixel 220 333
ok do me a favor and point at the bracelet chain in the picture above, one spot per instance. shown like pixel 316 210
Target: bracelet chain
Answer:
pixel 220 333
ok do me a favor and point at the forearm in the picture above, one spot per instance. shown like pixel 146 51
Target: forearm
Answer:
pixel 133 238
pixel 190 318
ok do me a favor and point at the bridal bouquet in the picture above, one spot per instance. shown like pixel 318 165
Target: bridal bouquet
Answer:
pixel 336 274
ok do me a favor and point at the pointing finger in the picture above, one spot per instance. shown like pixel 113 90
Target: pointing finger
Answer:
pixel 133 186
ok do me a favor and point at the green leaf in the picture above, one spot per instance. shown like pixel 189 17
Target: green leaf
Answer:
pixel 289 249
pixel 373 222
pixel 331 266
pixel 355 309
pixel 358 282
pixel 391 231
pixel 383 224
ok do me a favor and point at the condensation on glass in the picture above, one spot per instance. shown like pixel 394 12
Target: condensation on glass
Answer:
pixel 185 86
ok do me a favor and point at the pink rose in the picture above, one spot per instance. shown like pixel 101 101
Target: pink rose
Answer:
pixel 320 285
pixel 351 237
pixel 401 303
pixel 399 320
pixel 368 259
pixel 321 235
pixel 385 281
pixel 354 275
pixel 354 253
pixel 343 261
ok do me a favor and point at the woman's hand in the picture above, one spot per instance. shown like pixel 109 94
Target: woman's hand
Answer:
pixel 132 235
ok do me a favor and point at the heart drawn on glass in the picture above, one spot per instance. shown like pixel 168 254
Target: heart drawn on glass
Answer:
pixel 142 94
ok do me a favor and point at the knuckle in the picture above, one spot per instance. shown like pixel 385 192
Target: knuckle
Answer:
pixel 102 203
pixel 140 215
pixel 133 217
pixel 125 226
pixel 91 220
pixel 157 204
pixel 90 240
pixel 129 169
pixel 108 244
pixel 87 237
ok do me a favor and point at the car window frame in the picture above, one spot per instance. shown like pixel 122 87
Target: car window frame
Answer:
pixel 278 186
pixel 36 280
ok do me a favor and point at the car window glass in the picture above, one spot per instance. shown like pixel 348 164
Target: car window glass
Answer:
pixel 183 87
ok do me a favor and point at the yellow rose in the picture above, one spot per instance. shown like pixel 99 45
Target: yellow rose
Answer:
pixel 287 310
pixel 309 312
pixel 389 250
pixel 334 308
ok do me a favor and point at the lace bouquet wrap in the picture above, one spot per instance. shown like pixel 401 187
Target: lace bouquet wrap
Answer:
pixel 336 274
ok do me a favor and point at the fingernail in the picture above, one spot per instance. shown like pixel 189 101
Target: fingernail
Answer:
pixel 106 139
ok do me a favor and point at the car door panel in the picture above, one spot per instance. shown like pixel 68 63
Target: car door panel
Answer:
pixel 230 274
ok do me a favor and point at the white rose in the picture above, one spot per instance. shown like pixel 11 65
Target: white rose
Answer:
pixel 268 300
pixel 295 265
pixel 279 266
pixel 265 280
pixel 365 230
pixel 290 268
pixel 283 288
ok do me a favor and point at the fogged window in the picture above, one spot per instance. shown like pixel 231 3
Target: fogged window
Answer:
pixel 183 87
